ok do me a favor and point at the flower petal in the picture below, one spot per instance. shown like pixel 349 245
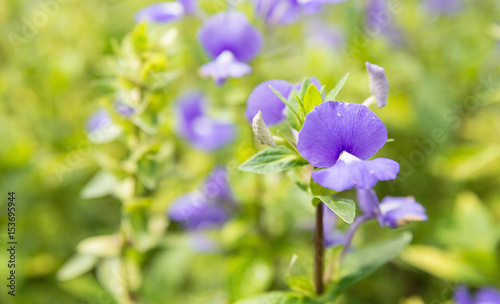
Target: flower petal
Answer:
pixel 195 212
pixel 334 127
pixel 190 106
pixel 202 132
pixel 223 67
pixel 399 211
pixel 488 295
pixel 368 202
pixel 348 173
pixel 211 135
pixel 462 295
pixel 379 85
pixel 98 121
pixel 230 31
pixel 160 12
pixel 216 186
pixel 263 99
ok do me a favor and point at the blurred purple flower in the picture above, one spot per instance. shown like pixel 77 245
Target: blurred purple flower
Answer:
pixel 331 236
pixel 446 7
pixel 341 137
pixel 286 12
pixel 223 67
pixel 164 12
pixel 201 131
pixel 123 109
pixel 379 21
pixel 211 206
pixel 231 40
pixel 486 295
pixel 324 34
pixel 100 120
pixel 263 99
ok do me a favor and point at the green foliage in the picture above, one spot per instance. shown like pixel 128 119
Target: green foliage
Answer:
pixel 344 208
pixel 273 160
pixel 335 91
pixel 312 98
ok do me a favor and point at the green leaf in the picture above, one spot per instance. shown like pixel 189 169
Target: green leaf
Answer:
pixel 139 38
pixel 333 93
pixel 101 184
pixel 278 297
pixel 306 82
pixel 75 266
pixel 272 160
pixel 312 98
pixel 365 261
pixel 301 284
pixel 296 119
pixel 317 189
pixel 344 208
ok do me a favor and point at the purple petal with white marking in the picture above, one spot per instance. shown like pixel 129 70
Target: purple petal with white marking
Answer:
pixel 399 211
pixel 223 67
pixel 350 172
pixel 161 12
pixel 263 99
pixel 230 31
pixel 379 84
pixel 334 127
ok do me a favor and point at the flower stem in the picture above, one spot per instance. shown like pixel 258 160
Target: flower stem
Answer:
pixel 318 250
pixel 350 233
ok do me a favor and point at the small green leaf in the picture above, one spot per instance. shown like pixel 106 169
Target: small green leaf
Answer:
pixel 272 160
pixel 333 93
pixel 301 284
pixel 306 82
pixel 317 189
pixel 75 266
pixel 139 38
pixel 101 184
pixel 365 261
pixel 344 208
pixel 312 98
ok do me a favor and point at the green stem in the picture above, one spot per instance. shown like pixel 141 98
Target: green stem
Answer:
pixel 318 250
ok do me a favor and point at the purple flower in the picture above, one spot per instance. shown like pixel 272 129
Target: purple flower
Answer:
pixel 341 136
pixel 287 12
pixel 379 84
pixel 100 120
pixel 223 67
pixel 392 212
pixel 331 236
pixel 210 207
pixel 485 295
pixel 201 131
pixel 263 99
pixel 447 7
pixel 324 34
pixel 123 109
pixel 379 21
pixel 164 12
pixel 231 40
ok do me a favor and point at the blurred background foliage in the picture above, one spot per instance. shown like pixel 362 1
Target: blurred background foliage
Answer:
pixel 443 114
